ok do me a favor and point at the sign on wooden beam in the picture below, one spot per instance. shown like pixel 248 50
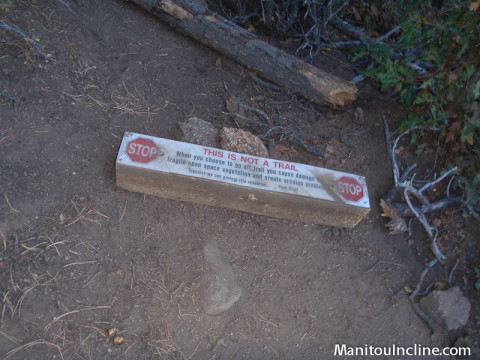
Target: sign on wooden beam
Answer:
pixel 269 187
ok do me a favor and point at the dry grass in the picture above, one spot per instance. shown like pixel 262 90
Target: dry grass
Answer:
pixel 12 209
pixel 20 247
pixel 129 102
pixel 132 103
pixel 165 346
pixel 32 344
pixel 88 308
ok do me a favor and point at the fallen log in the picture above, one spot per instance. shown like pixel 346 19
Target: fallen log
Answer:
pixel 248 50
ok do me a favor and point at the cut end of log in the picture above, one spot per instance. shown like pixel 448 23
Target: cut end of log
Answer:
pixel 335 91
pixel 397 225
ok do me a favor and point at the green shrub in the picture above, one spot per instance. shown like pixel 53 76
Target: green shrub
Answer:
pixel 5 3
pixel 433 66
pixel 477 275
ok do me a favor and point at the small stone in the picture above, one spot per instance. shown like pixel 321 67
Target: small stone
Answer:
pixel 218 287
pixel 439 285
pixel 329 149
pixel 197 131
pixel 242 141
pixel 118 340
pixel 359 116
pixel 447 307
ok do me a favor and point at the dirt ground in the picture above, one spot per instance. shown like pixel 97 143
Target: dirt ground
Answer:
pixel 79 256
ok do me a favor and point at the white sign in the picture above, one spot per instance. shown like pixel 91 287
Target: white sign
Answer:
pixel 168 156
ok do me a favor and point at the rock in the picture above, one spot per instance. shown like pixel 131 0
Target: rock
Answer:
pixel 359 116
pixel 336 232
pixel 218 287
pixel 197 131
pixel 447 307
pixel 242 141
pixel 329 149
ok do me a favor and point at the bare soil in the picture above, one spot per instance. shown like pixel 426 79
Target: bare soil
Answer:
pixel 79 256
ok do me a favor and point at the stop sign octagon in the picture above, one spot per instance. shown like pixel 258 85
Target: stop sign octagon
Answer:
pixel 142 150
pixel 350 189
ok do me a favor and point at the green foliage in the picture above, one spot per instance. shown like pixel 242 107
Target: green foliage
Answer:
pixel 5 3
pixel 433 66
pixel 477 274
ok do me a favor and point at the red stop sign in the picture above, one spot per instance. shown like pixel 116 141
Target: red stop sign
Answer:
pixel 349 188
pixel 142 150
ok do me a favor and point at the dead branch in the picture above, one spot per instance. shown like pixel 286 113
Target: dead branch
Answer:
pixel 29 40
pixel 67 5
pixel 11 98
pixel 450 275
pixel 431 324
pixel 398 212
pixel 383 262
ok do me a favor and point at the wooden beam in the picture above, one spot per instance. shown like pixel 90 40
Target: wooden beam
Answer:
pixel 269 187
pixel 248 50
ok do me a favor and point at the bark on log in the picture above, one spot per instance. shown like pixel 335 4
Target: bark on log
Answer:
pixel 247 49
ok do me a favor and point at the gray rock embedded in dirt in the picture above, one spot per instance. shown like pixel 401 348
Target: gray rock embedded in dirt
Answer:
pixel 218 287
pixel 197 131
pixel 242 141
pixel 447 307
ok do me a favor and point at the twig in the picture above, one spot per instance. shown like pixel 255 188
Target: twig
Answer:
pixel 383 262
pixel 450 276
pixel 80 263
pixel 417 214
pixel 448 186
pixel 427 289
pixel 358 33
pixel 15 211
pixel 31 344
pixel 11 338
pixel 3 312
pixel 430 184
pixel 264 319
pixel 123 212
pixel 92 279
pixel 386 35
pixel 336 12
pixel 395 169
pixel 268 85
pixel 251 108
pixel 55 319
pixel 29 40
pixel 4 240
pixel 67 6
pixel 404 210
pixel 430 265
pixel 434 247
pixel 472 211
pixel 431 324
pixel 11 98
